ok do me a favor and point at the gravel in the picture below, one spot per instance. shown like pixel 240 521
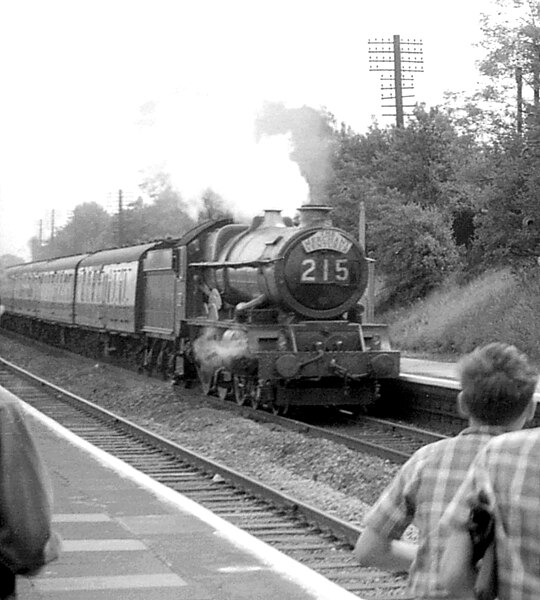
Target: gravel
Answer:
pixel 324 474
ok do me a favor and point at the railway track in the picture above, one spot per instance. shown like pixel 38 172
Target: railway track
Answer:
pixel 314 538
pixel 385 438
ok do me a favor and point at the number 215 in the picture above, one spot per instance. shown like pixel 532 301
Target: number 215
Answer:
pixel 310 273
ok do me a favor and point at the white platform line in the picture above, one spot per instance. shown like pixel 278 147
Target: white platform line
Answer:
pixel 105 545
pixel 81 518
pixel 114 582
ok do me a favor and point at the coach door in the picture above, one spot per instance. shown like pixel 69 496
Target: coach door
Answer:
pixel 159 296
pixel 181 275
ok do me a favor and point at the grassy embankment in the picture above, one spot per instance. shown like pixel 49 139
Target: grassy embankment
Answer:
pixel 495 307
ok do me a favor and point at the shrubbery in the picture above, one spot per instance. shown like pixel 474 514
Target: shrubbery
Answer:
pixel 415 250
pixel 497 306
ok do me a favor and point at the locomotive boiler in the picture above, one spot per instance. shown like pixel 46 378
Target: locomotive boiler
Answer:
pixel 267 314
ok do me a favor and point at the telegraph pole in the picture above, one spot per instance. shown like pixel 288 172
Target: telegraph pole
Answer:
pixel 396 57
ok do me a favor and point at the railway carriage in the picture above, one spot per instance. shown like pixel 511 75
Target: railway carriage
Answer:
pixel 42 293
pixel 267 313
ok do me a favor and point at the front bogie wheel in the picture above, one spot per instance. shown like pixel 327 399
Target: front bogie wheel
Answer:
pixel 206 379
pixel 241 390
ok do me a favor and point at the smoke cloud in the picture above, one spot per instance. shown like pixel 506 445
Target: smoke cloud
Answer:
pixel 312 142
pixel 213 353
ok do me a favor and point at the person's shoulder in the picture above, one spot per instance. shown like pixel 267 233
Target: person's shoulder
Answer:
pixel 515 439
pixel 432 450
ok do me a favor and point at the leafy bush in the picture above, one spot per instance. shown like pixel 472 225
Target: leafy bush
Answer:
pixel 415 250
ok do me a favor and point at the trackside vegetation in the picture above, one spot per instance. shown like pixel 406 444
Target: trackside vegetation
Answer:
pixel 498 305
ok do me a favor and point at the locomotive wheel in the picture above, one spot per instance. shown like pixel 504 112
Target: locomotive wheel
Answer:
pixel 223 392
pixel 162 363
pixel 280 411
pixel 242 389
pixel 255 397
pixel 206 379
pixel 224 384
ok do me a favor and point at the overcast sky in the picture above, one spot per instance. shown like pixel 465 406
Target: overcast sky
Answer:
pixel 94 93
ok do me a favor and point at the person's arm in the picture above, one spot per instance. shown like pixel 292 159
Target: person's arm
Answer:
pixel 379 545
pixel 457 572
pixel 375 550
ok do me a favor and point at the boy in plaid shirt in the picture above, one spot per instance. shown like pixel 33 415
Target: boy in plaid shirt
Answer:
pixel 497 384
pixel 507 473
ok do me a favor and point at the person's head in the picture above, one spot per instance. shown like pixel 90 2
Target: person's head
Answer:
pixel 497 385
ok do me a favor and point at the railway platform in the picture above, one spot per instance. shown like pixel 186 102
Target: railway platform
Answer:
pixel 126 537
pixel 445 371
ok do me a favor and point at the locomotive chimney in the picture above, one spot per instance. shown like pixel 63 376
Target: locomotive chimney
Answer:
pixel 312 215
pixel 272 218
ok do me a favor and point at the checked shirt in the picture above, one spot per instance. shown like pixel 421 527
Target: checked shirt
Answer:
pixel 508 471
pixel 419 494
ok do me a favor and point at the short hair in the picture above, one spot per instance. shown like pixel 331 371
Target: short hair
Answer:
pixel 497 382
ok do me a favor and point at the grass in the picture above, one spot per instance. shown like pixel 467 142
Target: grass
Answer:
pixel 454 320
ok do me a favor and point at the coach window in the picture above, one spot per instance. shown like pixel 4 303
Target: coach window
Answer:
pixel 124 286
pixel 92 287
pixel 107 284
pixel 99 286
pixel 114 287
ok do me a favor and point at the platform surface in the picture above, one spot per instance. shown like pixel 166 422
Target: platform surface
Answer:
pixel 126 537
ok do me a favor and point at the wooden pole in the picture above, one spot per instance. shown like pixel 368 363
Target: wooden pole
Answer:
pixel 397 82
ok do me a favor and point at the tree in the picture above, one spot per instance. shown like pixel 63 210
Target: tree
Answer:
pixel 415 250
pixel 511 40
pixel 7 260
pixel 88 229
pixel 212 207
pixel 421 159
pixel 167 215
pixel 353 173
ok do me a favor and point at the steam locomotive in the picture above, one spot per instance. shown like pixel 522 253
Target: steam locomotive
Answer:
pixel 267 314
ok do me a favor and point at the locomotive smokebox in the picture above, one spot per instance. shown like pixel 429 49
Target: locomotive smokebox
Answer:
pixel 312 215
